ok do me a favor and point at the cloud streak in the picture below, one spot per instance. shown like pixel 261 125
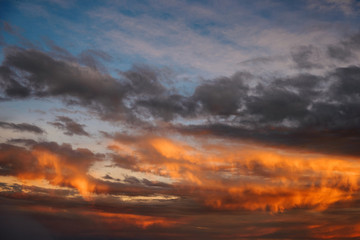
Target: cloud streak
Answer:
pixel 22 127
pixel 70 126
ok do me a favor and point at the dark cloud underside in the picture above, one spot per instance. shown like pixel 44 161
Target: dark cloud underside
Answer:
pixel 296 106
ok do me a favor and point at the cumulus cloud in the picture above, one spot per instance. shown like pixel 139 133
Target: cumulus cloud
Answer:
pixel 297 105
pixel 58 164
pixel 32 73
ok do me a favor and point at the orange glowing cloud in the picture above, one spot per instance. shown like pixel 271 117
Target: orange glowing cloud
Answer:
pixel 239 176
pixel 68 169
pixel 335 231
pixel 133 219
pixel 63 173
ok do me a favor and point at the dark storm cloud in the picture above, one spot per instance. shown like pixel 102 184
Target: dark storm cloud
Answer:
pixel 274 105
pixel 168 107
pixel 11 87
pixel 306 111
pixel 341 142
pixel 144 80
pixel 22 127
pixel 48 77
pixel 288 107
pixel 69 126
pixel 347 86
pixel 222 96
pixel 219 97
pixel 33 73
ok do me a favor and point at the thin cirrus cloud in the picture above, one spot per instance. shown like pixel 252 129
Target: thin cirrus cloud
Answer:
pixel 197 120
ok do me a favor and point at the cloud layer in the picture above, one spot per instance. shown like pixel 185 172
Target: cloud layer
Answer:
pixel 291 110
pixel 179 120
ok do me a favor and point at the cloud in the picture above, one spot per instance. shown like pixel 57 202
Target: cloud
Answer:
pixel 303 55
pixel 202 177
pixel 287 109
pixel 143 94
pixel 308 112
pixel 275 105
pixel 70 126
pixel 22 141
pixel 338 142
pixel 196 158
pixel 93 59
pixel 222 96
pixel 12 87
pixel 346 49
pixel 347 7
pixel 22 127
pixel 167 107
pixel 237 175
pixel 60 165
pixel 63 166
pixel 47 76
pixel 48 217
pixel 67 219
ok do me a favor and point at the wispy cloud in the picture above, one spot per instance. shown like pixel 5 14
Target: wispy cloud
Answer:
pixel 70 126
pixel 22 127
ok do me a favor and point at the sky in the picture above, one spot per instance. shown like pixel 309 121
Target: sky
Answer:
pixel 135 120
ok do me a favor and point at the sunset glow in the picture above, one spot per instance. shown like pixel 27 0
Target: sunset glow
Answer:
pixel 214 120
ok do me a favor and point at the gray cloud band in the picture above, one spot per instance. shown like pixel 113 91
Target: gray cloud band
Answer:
pixel 300 107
